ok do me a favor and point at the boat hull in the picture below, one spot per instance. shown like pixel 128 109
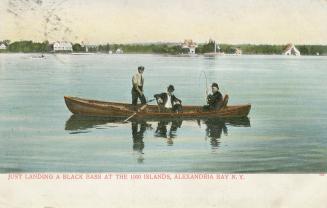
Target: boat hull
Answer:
pixel 87 107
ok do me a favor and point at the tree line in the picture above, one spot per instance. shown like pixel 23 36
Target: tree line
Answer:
pixel 164 48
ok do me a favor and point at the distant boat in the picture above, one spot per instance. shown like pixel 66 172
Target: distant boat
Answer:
pixel 87 107
pixel 38 57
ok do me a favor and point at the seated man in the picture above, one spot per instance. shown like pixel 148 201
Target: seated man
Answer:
pixel 214 100
pixel 168 101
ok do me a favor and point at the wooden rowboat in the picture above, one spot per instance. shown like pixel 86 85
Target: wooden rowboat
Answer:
pixel 87 107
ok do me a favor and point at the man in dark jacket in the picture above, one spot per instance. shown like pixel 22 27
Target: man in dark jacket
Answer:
pixel 168 100
pixel 214 100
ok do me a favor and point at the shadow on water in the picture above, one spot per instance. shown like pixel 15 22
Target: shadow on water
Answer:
pixel 165 128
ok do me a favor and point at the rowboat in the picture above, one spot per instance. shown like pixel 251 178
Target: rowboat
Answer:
pixel 80 106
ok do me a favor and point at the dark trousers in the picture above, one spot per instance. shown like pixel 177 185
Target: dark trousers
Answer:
pixel 136 95
pixel 208 108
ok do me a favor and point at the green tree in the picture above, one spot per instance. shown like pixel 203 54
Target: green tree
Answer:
pixel 78 48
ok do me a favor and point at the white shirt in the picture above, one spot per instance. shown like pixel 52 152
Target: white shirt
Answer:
pixel 168 103
pixel 138 79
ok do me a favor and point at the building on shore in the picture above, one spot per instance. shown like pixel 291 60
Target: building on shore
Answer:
pixel 119 51
pixel 62 46
pixel 291 50
pixel 190 46
pixel 3 46
pixel 238 51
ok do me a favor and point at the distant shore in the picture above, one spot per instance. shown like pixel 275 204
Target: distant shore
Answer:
pixel 162 48
pixel 40 55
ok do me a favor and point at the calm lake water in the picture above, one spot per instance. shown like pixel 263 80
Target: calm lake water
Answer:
pixel 284 132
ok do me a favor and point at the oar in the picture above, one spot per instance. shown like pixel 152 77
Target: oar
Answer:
pixel 142 108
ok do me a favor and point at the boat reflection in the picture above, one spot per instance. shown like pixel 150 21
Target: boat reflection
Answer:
pixel 167 128
pixel 79 124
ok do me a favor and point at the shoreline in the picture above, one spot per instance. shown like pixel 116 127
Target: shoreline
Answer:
pixel 161 54
pixel 207 49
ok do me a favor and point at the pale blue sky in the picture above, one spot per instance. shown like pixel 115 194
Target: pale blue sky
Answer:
pixel 228 21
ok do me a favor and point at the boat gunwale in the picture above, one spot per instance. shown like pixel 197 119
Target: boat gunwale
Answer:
pixel 98 102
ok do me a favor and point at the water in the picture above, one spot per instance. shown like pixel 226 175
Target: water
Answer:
pixel 285 130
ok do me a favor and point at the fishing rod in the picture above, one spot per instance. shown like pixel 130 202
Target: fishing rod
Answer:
pixel 205 76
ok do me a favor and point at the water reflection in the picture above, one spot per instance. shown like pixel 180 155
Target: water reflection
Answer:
pixel 138 129
pixel 79 124
pixel 214 130
pixel 167 128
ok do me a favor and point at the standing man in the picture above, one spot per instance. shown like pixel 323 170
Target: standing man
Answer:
pixel 137 90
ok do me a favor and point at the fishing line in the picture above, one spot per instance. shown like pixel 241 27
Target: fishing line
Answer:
pixel 205 75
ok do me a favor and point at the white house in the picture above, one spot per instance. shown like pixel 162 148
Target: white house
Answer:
pixel 119 51
pixel 3 46
pixel 62 46
pixel 291 50
pixel 190 45
pixel 238 51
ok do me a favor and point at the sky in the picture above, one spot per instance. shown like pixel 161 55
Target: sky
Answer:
pixel 141 21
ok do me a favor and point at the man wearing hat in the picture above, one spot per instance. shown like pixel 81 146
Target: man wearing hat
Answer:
pixel 215 99
pixel 168 100
pixel 137 90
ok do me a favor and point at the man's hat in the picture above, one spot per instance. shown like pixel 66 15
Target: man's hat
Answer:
pixel 140 68
pixel 214 85
pixel 171 88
